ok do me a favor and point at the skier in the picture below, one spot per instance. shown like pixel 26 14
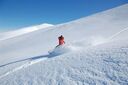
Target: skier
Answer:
pixel 61 40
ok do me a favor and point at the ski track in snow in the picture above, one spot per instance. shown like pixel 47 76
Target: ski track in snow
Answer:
pixel 33 60
pixel 116 34
pixel 29 63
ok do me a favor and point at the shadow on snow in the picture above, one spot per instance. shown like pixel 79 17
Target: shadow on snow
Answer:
pixel 30 59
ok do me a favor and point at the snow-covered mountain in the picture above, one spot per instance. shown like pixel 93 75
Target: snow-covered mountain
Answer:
pixel 97 53
pixel 11 34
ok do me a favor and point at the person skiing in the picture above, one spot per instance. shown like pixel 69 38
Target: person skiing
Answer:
pixel 61 40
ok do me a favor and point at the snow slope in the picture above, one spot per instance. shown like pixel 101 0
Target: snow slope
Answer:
pixel 100 58
pixel 11 34
pixel 99 65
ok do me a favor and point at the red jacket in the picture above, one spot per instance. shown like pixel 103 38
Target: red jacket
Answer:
pixel 61 40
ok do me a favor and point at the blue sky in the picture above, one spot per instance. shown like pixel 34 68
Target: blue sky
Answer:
pixel 21 13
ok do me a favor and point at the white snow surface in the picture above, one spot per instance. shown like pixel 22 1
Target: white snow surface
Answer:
pixel 95 53
pixel 11 34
